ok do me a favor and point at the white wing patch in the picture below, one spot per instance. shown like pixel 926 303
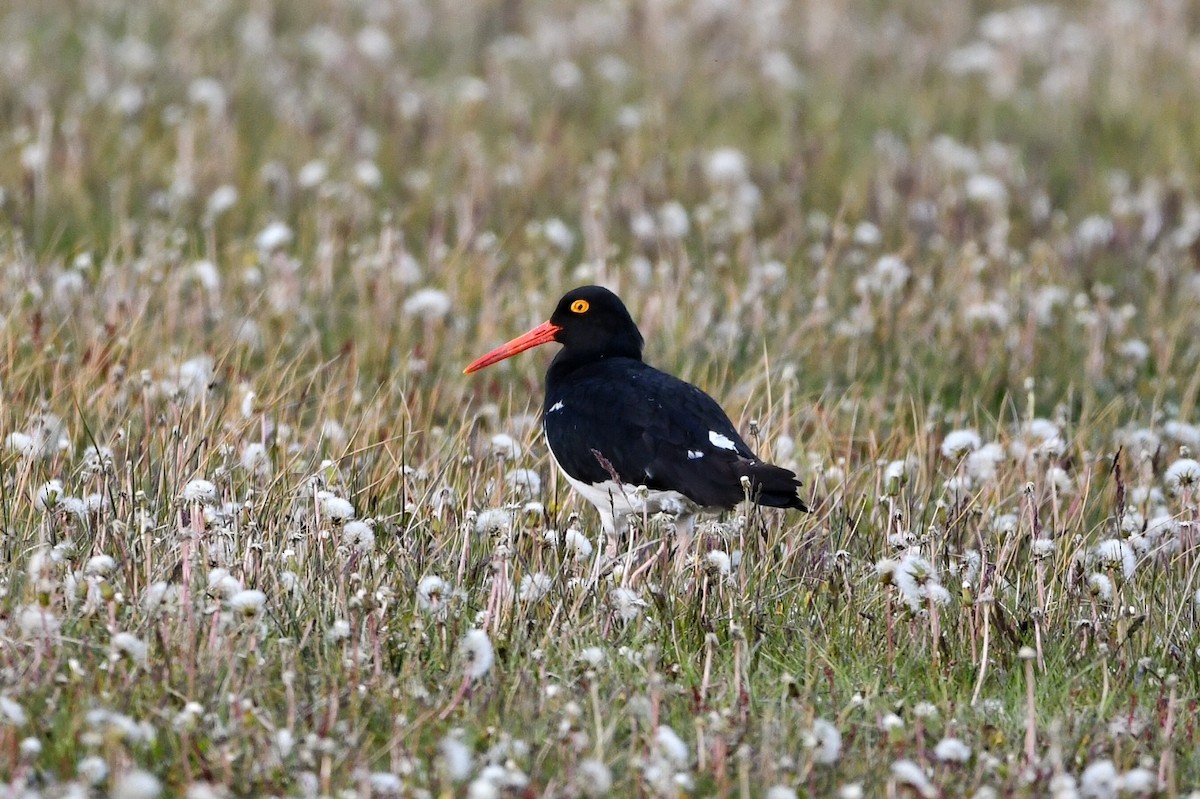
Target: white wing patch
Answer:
pixel 721 441
pixel 695 454
pixel 558 406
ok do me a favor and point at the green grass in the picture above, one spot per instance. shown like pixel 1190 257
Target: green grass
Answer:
pixel 345 680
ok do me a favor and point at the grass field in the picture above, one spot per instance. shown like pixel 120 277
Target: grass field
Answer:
pixel 261 536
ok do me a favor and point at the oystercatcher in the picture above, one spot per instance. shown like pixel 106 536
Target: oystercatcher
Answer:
pixel 630 438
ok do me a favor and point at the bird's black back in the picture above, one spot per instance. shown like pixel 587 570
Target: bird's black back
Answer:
pixel 655 430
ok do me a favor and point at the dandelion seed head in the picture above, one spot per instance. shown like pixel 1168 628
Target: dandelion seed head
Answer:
pixel 477 653
pixel 335 508
pixel 248 602
pixel 1100 586
pixel 359 536
pixel 275 236
pixel 34 621
pixel 200 490
pixel 725 167
pixel 952 750
pixel 1116 553
pixel 825 741
pixel 781 792
pixel 505 447
pixel 671 746
pixel 958 443
pixel 1139 782
pixel 594 778
pixel 1099 780
pixel 432 593
pixel 92 769
pixel 136 784
pixel 534 587
pixel 130 646
pixel 429 304
pixel 493 521
pixel 1182 474
pixel 100 566
pixel 457 758
pixel 577 545
pixel 718 562
pixel 11 713
pixel 627 603
pixel 906 772
pixel 49 495
pixel 525 482
pixel 673 222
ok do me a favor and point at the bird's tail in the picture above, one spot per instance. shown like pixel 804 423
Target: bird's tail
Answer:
pixel 775 486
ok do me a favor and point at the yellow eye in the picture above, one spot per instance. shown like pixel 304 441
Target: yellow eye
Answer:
pixel 579 306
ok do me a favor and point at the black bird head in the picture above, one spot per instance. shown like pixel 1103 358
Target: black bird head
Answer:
pixel 590 322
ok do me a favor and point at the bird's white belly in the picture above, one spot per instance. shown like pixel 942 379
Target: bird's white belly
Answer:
pixel 616 502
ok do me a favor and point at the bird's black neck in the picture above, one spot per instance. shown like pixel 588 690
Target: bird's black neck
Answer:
pixel 570 359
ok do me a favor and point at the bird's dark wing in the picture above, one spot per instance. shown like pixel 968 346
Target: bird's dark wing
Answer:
pixel 655 430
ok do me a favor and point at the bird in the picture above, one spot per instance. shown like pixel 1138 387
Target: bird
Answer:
pixel 632 439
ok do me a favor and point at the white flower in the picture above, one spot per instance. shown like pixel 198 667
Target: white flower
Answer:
pixel 577 544
pixel 100 566
pixel 429 304
pixel 49 495
pixel 958 443
pixel 132 647
pixel 385 783
pixel 595 778
pixel 987 191
pixel 673 220
pixel 256 460
pixel 890 274
pixel 534 587
pixel 558 234
pixel 248 602
pixel 718 562
pixel 359 536
pixel 312 174
pixel 273 237
pixel 1100 586
pixel 671 746
pixel 493 520
pixel 338 631
pixel 222 583
pixel 1139 781
pixel 92 769
pixel 136 784
pixel 432 592
pixel 476 649
pixel 457 758
pixel 1042 548
pixel 200 490
pixel 37 622
pixel 1183 473
pixel 1099 781
pixel 626 602
pixel 525 482
pixel 12 713
pixel 725 166
pixel 334 507
pixel 825 740
pixel 909 773
pixel 1114 552
pixel 505 446
pixel 952 750
pixel 221 200
pixel 982 463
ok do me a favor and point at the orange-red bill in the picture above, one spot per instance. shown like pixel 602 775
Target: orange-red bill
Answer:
pixel 541 334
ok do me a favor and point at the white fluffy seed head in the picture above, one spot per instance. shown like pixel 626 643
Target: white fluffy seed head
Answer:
pixel 477 652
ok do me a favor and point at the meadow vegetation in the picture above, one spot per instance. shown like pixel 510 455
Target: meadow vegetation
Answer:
pixel 260 536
